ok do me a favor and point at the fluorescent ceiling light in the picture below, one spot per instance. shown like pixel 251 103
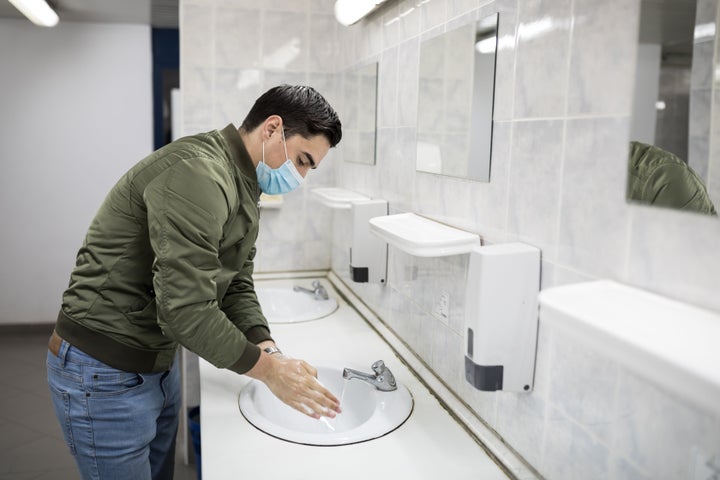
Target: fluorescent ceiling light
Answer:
pixel 37 11
pixel 348 12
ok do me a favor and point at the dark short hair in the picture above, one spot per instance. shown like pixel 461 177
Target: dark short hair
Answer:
pixel 304 112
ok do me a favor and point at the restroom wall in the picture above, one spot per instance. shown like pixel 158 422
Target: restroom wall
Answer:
pixel 76 112
pixel 231 52
pixel 564 83
pixel 710 11
pixel 702 79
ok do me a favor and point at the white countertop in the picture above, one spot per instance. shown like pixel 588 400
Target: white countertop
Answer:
pixel 429 445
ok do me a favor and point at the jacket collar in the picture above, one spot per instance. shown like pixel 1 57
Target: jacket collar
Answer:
pixel 238 152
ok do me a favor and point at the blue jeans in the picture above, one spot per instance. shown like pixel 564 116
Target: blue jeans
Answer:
pixel 118 425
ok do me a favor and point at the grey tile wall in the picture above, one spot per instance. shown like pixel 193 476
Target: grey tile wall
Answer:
pixel 564 82
pixel 231 52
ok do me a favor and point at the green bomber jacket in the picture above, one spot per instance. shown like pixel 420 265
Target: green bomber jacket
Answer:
pixel 168 260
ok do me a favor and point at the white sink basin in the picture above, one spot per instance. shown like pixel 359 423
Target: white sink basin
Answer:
pixel 283 305
pixel 367 413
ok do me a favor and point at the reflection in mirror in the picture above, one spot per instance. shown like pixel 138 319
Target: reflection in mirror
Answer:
pixel 455 101
pixel 360 114
pixel 670 160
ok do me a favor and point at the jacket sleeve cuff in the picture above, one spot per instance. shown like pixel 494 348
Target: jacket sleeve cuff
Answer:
pixel 258 334
pixel 247 360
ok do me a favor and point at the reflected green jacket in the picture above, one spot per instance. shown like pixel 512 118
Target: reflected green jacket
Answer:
pixel 168 259
pixel 658 177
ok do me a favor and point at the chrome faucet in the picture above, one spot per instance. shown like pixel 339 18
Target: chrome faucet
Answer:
pixel 318 292
pixel 382 380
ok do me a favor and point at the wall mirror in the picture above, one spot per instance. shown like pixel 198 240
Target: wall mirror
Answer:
pixel 360 114
pixel 673 161
pixel 455 101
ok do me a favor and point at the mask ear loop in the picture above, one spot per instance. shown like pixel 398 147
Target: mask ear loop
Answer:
pixel 287 157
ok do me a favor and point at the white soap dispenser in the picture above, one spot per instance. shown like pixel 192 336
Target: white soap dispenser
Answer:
pixel 501 317
pixel 368 253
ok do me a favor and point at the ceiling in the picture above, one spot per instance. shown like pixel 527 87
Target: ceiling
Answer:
pixel 158 13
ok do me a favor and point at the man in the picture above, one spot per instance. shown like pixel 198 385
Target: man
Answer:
pixel 168 260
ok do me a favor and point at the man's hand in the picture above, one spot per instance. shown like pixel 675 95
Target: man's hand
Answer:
pixel 295 383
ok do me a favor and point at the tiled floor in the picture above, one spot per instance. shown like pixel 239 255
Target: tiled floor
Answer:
pixel 31 443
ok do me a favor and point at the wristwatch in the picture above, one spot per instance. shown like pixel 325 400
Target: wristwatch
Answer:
pixel 271 350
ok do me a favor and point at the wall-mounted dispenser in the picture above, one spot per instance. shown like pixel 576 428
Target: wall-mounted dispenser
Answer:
pixel 368 253
pixel 501 317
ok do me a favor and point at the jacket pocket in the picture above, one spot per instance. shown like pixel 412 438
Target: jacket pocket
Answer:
pixel 147 316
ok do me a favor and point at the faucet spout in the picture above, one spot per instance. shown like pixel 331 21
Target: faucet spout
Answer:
pixel 318 291
pixel 381 378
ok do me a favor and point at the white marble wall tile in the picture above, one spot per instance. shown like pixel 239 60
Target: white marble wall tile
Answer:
pixel 407 89
pixel 699 126
pixel 594 218
pixel 409 19
pixel 484 404
pixel 604 49
pixel 448 360
pixel 713 179
pixel 659 433
pixel 432 13
pixel 197 39
pixel 541 69
pixel 399 160
pixel 563 275
pixel 323 176
pixel 391 24
pixel 387 88
pixel 570 452
pixel 702 64
pixel 621 469
pixel 437 276
pixel 247 4
pixel 460 7
pixel 505 61
pixel 346 39
pixel 467 18
pixel 321 6
pixel 675 253
pixel 543 363
pixel 197 98
pixel 323 49
pixel 395 314
pixel 341 230
pixel 235 93
pixel 237 33
pixel 489 201
pixel 374 36
pixel 535 179
pixel 521 419
pixel 285 5
pixel 583 385
pixel 423 328
pixel 285 42
pixel 273 78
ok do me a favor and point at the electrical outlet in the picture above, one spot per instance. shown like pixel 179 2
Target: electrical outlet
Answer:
pixel 442 308
pixel 706 467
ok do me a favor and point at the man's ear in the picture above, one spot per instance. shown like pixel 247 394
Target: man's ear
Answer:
pixel 271 125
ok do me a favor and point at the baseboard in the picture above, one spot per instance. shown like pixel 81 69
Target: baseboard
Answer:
pixel 27 328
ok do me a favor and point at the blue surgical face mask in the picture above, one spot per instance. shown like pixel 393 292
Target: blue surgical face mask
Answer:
pixel 278 181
